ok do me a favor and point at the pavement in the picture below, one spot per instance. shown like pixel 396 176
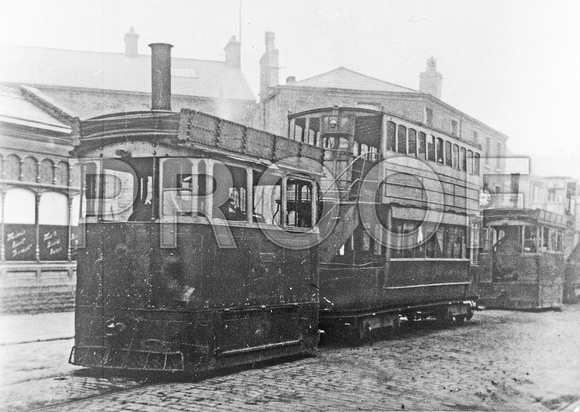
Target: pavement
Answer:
pixel 27 328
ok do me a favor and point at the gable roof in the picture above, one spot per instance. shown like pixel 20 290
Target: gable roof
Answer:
pixel 119 72
pixel 343 78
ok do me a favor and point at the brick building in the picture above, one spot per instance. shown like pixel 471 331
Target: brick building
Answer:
pixel 346 88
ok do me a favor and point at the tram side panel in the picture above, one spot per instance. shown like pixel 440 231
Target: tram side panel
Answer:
pixel 194 307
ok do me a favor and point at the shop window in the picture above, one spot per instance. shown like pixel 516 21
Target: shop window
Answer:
pixel 391 136
pixel 53 217
pixel 20 225
pixel 422 146
pixel 412 143
pixel 46 173
pixel 402 139
pixel 448 154
pixel 29 169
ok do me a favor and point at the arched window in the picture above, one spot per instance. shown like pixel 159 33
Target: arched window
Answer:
pixel 448 156
pixel 476 164
pixel 422 146
pixel 29 169
pixel 412 142
pixel 46 172
pixel 19 225
pixel 439 150
pixel 12 168
pixel 455 156
pixel 391 138
pixel 462 159
pixel 61 174
pixel 470 161
pixel 431 148
pixel 53 226
pixel 402 139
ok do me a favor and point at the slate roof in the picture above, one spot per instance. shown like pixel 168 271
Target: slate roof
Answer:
pixel 343 78
pixel 119 72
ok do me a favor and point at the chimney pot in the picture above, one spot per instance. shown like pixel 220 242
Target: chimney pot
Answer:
pixel 131 43
pixel 431 79
pixel 160 76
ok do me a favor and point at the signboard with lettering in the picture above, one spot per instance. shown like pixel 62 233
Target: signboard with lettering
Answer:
pixel 53 242
pixel 20 242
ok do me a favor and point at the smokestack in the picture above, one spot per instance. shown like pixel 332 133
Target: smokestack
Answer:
pixel 430 80
pixel 160 76
pixel 131 43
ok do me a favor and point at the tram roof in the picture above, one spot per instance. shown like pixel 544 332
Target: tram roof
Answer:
pixel 519 217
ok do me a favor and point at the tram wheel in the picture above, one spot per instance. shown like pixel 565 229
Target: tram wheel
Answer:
pixel 364 330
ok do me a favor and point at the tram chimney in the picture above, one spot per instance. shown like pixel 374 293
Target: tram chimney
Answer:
pixel 160 76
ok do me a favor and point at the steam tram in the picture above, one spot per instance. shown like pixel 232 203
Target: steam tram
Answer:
pixel 189 254
pixel 407 206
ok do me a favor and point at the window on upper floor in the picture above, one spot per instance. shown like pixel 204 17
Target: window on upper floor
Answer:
pixel 429 116
pixel 498 158
pixel 454 127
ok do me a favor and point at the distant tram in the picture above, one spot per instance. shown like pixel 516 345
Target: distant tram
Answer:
pixel 523 259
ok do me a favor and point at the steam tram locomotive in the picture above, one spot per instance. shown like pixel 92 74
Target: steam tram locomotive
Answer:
pixel 406 230
pixel 185 257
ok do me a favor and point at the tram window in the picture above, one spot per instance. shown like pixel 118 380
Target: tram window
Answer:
pixel 434 246
pixel 397 229
pixel 448 241
pixel 545 239
pixel 266 199
pixel 476 164
pixel 530 239
pixel 298 203
pixel 402 139
pixel 470 161
pixel 408 240
pixel 366 241
pixel 455 161
pixel 462 159
pixel 373 154
pixel 391 138
pixel 89 190
pixel 421 146
pixel 448 154
pixel 119 191
pixel 378 248
pixel 412 143
pixel 234 208
pixel 364 150
pixel 554 240
pixel 559 241
pixel 439 150
pixel 356 149
pixel 431 148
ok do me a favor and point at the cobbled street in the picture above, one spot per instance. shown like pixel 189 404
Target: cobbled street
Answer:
pixel 500 360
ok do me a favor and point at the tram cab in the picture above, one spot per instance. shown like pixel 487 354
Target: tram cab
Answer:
pixel 197 244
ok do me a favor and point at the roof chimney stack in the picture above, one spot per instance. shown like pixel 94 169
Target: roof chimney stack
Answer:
pixel 131 40
pixel 269 69
pixel 430 80
pixel 160 76
pixel 234 53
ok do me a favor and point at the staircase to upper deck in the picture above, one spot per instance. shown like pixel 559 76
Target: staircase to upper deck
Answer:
pixel 341 195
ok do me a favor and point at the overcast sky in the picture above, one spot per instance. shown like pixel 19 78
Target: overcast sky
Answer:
pixel 514 65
